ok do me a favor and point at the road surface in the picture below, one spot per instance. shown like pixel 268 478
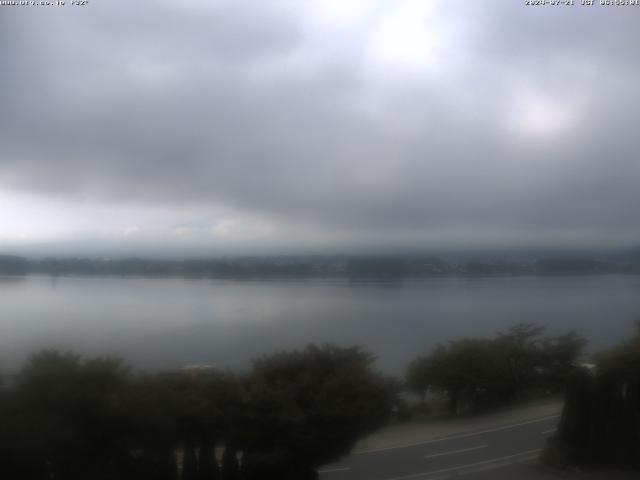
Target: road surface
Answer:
pixel 496 452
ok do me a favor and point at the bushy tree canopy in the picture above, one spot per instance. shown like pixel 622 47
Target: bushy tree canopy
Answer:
pixel 600 422
pixel 476 372
pixel 310 407
pixel 70 418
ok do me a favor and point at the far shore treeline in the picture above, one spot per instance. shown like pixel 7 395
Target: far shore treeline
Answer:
pixel 389 266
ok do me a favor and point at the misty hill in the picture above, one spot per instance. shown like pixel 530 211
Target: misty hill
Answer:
pixel 347 266
pixel 11 265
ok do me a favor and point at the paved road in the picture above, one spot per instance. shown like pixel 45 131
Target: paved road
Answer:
pixel 507 448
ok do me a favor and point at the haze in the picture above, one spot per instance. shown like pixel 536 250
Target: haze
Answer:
pixel 209 127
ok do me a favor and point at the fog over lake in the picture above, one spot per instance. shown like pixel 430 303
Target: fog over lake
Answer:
pixel 163 323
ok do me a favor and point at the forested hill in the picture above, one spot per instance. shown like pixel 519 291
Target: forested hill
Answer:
pixel 348 266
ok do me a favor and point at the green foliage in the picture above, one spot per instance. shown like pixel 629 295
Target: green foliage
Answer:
pixel 481 372
pixel 558 358
pixel 66 416
pixel 601 419
pixel 69 418
pixel 311 406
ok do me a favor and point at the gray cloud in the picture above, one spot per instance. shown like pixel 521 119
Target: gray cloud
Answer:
pixel 523 126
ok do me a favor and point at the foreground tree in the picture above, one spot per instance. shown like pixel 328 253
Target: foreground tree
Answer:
pixel 66 419
pixel 307 408
pixel 600 423
pixel 182 411
pixel 482 372
pixel 558 357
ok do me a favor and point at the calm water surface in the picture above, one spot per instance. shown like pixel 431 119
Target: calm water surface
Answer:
pixel 171 322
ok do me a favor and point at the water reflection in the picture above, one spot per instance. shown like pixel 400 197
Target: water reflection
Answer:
pixel 171 322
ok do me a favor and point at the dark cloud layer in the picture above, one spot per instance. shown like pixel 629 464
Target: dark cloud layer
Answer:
pixel 517 123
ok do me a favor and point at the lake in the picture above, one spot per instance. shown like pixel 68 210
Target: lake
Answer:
pixel 163 323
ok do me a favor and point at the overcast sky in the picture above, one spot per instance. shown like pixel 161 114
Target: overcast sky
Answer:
pixel 226 126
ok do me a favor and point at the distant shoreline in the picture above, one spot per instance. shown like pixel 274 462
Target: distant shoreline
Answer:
pixel 352 267
pixel 351 279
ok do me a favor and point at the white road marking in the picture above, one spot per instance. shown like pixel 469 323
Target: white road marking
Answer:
pixel 495 466
pixel 456 437
pixel 551 430
pixel 484 468
pixel 333 470
pixel 453 452
pixel 498 461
